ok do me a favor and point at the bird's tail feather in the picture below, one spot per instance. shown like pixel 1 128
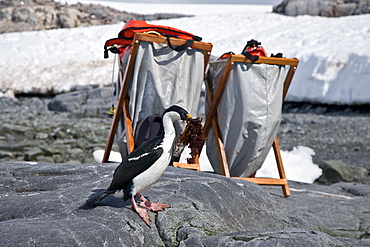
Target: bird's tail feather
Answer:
pixel 96 198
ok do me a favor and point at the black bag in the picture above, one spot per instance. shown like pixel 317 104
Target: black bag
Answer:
pixel 147 129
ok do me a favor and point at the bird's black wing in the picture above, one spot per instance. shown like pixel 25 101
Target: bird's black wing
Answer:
pixel 136 162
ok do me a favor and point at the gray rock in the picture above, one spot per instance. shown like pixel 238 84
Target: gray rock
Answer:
pixel 13 128
pixel 360 190
pixel 87 102
pixel 40 206
pixel 41 136
pixel 47 159
pixel 21 14
pixel 329 8
pixel 345 9
pixel 354 188
pixel 6 155
pixel 67 102
pixel 287 237
pixel 32 153
pixel 363 7
pixel 69 18
pixel 359 173
pixel 336 171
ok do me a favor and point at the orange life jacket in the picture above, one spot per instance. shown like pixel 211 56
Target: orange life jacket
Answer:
pixel 126 35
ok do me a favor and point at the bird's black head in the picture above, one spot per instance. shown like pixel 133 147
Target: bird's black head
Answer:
pixel 181 111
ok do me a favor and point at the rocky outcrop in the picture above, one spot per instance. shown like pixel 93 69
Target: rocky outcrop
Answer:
pixel 40 206
pixel 328 8
pixel 32 15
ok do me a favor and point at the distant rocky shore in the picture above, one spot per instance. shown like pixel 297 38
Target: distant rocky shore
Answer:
pixel 328 8
pixel 33 15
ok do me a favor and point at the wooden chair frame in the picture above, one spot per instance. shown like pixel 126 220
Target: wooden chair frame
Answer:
pixel 124 101
pixel 211 120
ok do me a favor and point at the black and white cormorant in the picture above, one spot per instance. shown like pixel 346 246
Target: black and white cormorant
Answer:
pixel 144 166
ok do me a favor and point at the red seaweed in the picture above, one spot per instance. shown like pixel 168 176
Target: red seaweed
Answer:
pixel 192 136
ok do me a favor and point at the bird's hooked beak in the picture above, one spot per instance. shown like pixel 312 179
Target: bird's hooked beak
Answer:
pixel 186 117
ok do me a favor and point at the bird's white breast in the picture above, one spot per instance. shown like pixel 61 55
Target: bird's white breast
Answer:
pixel 155 171
pixel 152 174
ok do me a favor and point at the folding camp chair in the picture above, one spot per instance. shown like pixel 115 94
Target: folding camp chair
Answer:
pixel 214 99
pixel 133 67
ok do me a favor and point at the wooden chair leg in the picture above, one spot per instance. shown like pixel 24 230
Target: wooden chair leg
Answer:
pixel 279 161
pixel 121 107
pixel 288 79
pixel 221 152
pixel 187 166
pixel 128 127
pixel 216 98
pixel 114 125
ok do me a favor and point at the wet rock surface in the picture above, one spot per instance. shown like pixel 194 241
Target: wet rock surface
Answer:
pixel 40 206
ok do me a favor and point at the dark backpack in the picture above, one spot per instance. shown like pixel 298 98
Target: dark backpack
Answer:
pixel 148 128
pixel 252 51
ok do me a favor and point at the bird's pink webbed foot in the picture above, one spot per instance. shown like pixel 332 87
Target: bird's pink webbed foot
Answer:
pixel 140 211
pixel 152 206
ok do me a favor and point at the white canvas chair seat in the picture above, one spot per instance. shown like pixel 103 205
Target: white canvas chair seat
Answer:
pixel 243 115
pixel 152 78
pixel 248 114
